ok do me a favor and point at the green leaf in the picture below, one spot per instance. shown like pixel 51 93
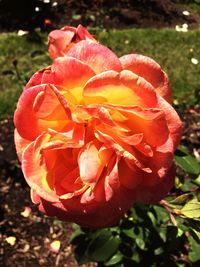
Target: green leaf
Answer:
pixel 194 254
pixel 161 214
pixel 182 150
pixel 56 222
pixel 114 259
pixel 181 200
pixel 135 257
pixel 158 251
pixel 180 232
pixel 188 164
pixel 178 182
pixel 152 217
pixel 197 180
pixel 76 16
pixel 140 243
pixel 81 254
pixel 191 209
pixel 77 237
pixel 188 186
pixel 104 246
pixel 129 233
pixel 195 234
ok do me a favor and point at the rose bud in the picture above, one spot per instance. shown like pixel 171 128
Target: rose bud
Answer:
pixel 60 41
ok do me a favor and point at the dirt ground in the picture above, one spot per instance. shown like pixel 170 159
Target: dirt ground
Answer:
pixel 27 15
pixel 32 234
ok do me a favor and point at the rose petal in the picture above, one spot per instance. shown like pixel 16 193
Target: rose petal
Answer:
pixel 11 240
pixel 96 56
pixel 42 107
pixel 36 79
pixel 26 212
pixel 173 121
pixel 92 215
pixel 90 164
pixel 150 71
pixel 125 88
pixel 130 177
pixel 35 172
pixel 20 144
pixel 83 34
pixel 149 122
pixel 70 75
pixel 59 41
pixel 55 246
pixel 153 194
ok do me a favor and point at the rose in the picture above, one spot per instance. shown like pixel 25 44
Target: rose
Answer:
pixel 60 41
pixel 96 134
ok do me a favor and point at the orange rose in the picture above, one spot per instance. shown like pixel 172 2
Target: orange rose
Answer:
pixel 96 133
pixel 60 41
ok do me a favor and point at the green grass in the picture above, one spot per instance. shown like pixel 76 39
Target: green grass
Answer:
pixel 172 50
pixel 30 52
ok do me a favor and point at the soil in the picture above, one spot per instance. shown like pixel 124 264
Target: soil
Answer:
pixel 48 14
pixel 35 232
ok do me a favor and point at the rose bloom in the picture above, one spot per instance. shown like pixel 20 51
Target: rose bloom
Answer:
pixel 96 133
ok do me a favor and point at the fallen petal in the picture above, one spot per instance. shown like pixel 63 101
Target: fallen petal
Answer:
pixel 55 246
pixel 26 212
pixel 11 240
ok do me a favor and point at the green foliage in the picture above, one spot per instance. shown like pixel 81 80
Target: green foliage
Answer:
pixel 166 234
pixel 185 161
pixel 20 57
pixel 145 237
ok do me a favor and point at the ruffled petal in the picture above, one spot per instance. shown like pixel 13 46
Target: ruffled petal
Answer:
pixel 36 79
pixel 90 164
pixel 59 41
pixel 174 123
pixel 153 194
pixel 35 171
pixel 69 75
pixel 92 215
pixel 150 71
pixel 20 144
pixel 124 88
pixel 130 177
pixel 42 107
pixel 95 55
